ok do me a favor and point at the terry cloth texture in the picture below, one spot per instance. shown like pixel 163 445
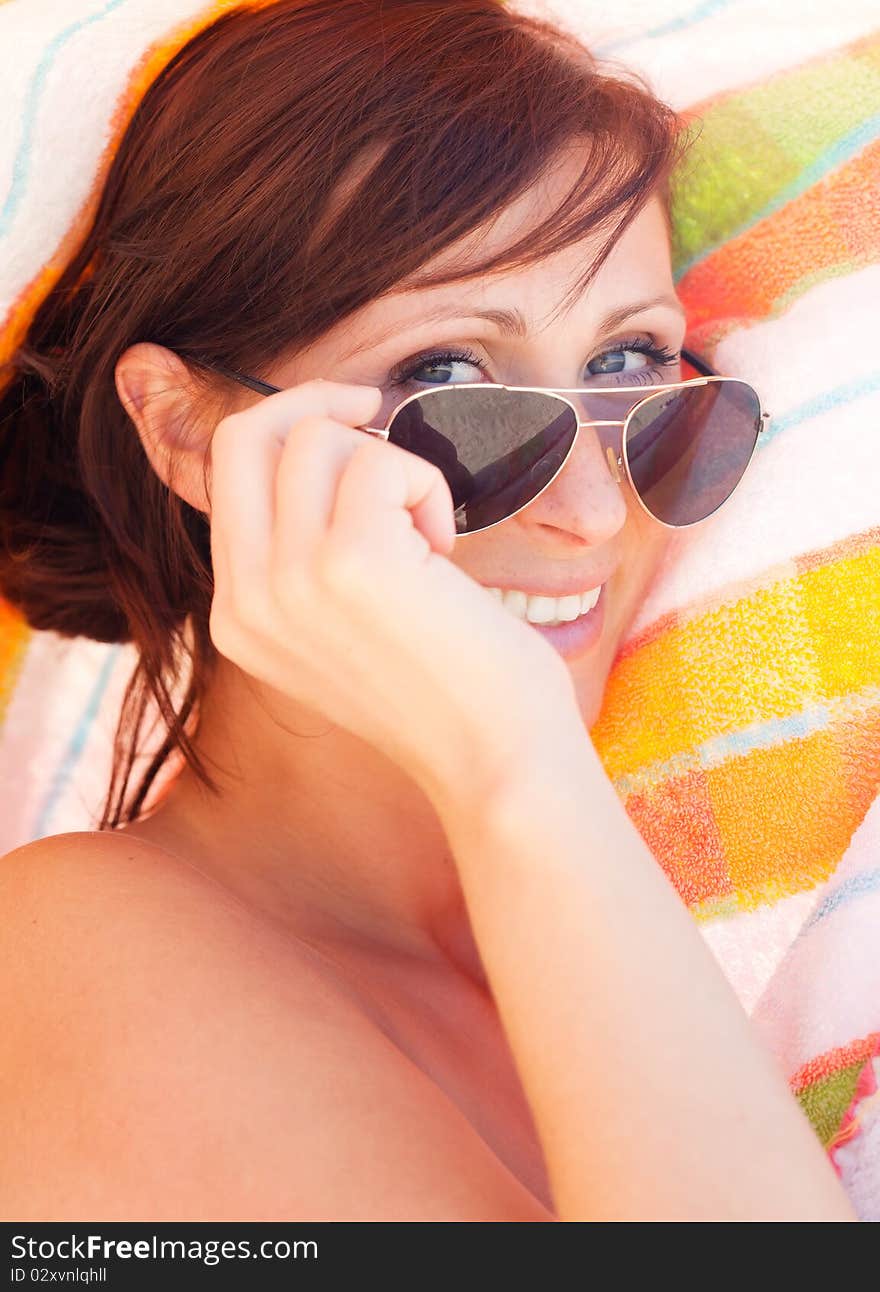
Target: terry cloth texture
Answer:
pixel 741 725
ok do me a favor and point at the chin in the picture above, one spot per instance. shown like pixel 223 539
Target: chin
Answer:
pixel 590 694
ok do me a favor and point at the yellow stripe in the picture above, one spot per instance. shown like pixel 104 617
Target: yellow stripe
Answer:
pixel 808 638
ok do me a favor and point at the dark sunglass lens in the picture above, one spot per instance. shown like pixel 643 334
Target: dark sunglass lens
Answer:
pixel 687 449
pixel 497 448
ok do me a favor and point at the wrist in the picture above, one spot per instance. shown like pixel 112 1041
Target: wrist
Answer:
pixel 540 773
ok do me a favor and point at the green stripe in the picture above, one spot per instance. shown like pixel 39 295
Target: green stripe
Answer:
pixel 836 96
pixel 731 172
pixel 826 1101
pixel 759 149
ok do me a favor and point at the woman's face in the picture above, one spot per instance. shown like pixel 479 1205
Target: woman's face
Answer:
pixel 585 529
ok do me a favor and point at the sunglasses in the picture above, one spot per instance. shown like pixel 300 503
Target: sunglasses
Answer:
pixel 683 446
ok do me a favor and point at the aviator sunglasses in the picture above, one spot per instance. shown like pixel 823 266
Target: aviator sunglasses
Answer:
pixel 684 446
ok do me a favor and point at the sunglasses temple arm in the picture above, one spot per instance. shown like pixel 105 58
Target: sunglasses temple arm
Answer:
pixel 703 368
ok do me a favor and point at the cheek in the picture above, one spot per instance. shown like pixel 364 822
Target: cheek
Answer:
pixel 655 543
pixel 644 545
pixel 645 542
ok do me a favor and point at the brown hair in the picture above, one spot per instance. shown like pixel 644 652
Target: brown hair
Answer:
pixel 216 236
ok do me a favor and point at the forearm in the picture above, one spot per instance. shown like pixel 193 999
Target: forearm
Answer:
pixel 652 1097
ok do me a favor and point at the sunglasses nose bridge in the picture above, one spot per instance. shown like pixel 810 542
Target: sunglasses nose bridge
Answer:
pixel 613 456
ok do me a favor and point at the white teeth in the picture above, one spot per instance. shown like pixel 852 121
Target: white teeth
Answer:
pixel 589 599
pixel 542 610
pixel 568 608
pixel 516 602
pixel 546 610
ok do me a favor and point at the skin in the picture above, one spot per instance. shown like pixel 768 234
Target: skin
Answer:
pixel 320 853
pixel 402 890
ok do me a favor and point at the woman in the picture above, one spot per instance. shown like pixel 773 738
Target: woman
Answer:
pixel 357 963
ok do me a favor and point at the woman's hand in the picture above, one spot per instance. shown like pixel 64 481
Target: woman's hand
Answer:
pixel 332 585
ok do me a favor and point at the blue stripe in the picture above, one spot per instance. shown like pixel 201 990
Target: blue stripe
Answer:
pixel 23 157
pixel 736 744
pixel 842 151
pixel 856 886
pixel 703 11
pixel 64 772
pixel 764 735
pixel 848 393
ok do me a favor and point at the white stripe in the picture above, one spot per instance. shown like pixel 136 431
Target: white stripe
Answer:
pixel 42 714
pixel 750 945
pixel 743 43
pixel 816 482
pixel 27 34
pixel 827 991
pixel 71 129
pixel 824 339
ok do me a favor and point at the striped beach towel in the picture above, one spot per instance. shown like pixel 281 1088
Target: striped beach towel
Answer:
pixel 741 724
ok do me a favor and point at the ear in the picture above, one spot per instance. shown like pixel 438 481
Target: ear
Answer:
pixel 171 415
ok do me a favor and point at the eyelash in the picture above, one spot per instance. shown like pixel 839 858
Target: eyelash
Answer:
pixel 660 356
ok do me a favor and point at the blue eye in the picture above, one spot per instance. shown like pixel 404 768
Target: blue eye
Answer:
pixel 613 361
pixel 433 363
pixel 433 367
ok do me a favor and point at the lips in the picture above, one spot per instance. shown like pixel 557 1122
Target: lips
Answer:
pixel 584 583
pixel 579 638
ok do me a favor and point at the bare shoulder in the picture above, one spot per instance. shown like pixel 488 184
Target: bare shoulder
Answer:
pixel 122 894
pixel 167 1057
pixel 86 906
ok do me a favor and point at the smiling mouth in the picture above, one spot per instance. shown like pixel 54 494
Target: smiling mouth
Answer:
pixel 545 611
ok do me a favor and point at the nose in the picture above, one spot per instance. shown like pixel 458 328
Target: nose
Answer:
pixel 585 499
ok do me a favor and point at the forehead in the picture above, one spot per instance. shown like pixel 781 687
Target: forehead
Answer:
pixel 637 268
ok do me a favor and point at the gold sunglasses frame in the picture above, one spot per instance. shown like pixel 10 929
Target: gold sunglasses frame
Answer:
pixel 616 464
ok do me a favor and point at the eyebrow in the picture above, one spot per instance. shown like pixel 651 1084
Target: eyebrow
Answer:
pixel 618 316
pixel 512 322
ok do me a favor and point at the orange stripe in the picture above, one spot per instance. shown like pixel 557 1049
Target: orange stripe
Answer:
pixel 14 638
pixel 825 1065
pixel 834 225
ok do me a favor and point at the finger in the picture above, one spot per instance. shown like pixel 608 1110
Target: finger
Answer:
pixel 345 402
pixel 381 483
pixel 245 453
pixel 242 443
pixel 310 465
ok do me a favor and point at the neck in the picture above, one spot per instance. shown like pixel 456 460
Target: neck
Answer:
pixel 316 829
